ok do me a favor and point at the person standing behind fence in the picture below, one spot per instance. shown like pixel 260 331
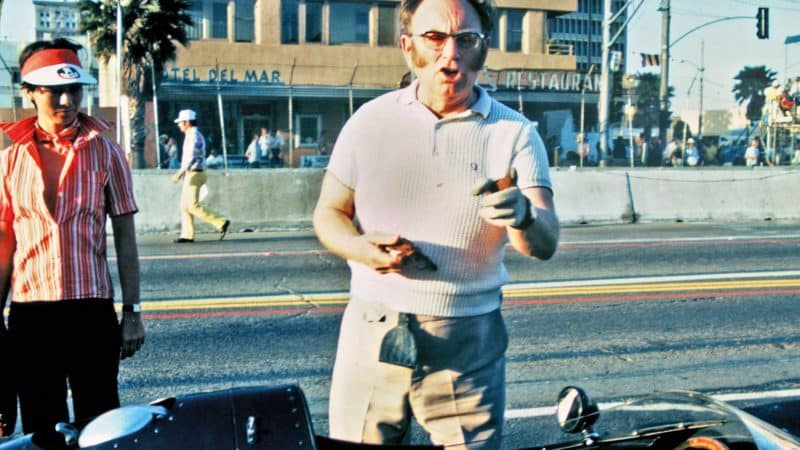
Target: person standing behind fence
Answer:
pixel 60 180
pixel 174 154
pixel 263 144
pixel 275 146
pixel 692 154
pixel 253 153
pixel 423 337
pixel 752 155
pixel 193 175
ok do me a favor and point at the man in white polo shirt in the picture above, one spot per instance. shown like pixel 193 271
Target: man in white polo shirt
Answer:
pixel 423 335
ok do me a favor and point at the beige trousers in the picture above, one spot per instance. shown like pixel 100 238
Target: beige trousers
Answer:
pixel 191 208
pixel 456 392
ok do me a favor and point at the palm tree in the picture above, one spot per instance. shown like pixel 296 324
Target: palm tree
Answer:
pixel 749 87
pixel 152 29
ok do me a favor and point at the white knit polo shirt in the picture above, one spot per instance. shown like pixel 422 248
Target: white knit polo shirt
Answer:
pixel 412 174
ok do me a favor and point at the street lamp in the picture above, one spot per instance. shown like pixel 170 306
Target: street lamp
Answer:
pixel 700 71
pixel 629 83
pixel 582 145
pixel 155 109
pixel 120 4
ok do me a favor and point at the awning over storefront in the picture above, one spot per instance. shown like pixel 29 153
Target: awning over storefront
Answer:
pixel 178 89
pixel 193 90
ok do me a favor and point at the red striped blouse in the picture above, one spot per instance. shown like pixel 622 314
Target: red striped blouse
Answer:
pixel 62 256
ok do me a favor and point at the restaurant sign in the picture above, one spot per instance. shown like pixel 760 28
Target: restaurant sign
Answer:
pixel 538 80
pixel 228 75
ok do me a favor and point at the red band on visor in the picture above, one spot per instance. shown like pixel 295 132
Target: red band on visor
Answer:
pixel 50 57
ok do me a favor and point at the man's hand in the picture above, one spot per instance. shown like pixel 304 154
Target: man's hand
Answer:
pixel 377 252
pixel 502 202
pixel 132 333
pixel 177 177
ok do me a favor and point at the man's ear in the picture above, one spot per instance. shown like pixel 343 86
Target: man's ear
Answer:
pixel 405 47
pixel 29 93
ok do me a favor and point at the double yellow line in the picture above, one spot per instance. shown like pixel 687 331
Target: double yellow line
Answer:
pixel 518 291
pixel 640 288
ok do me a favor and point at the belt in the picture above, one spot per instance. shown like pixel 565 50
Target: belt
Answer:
pixel 195 170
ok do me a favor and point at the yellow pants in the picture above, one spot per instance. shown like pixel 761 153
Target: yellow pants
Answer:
pixel 191 208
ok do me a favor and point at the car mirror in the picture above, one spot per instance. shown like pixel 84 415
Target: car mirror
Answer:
pixel 575 411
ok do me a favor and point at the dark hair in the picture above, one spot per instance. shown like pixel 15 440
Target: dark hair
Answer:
pixel 485 9
pixel 192 122
pixel 57 43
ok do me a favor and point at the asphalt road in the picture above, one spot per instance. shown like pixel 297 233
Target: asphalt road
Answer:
pixel 620 310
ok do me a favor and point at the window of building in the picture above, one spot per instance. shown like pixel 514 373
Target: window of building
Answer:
pixel 514 29
pixel 244 21
pixel 352 23
pixel 289 28
pixel 195 12
pixel 307 130
pixel 387 25
pixel 219 19
pixel 314 21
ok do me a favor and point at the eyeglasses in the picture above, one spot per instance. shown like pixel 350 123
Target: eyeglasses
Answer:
pixel 465 40
pixel 57 91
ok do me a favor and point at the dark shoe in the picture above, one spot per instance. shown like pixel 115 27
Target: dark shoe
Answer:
pixel 224 230
pixel 183 241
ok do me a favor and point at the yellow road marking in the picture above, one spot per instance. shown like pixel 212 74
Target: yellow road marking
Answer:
pixel 653 287
pixel 341 298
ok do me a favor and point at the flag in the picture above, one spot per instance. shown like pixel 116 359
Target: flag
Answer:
pixel 650 60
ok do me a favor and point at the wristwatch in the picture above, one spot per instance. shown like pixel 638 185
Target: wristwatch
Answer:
pixel 132 307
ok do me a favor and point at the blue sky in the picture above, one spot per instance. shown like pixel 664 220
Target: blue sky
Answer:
pixel 729 45
pixel 17 21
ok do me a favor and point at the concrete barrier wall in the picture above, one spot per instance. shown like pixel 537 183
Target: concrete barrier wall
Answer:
pixel 259 199
pixel 269 199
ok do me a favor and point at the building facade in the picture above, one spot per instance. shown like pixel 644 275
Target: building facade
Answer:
pixel 303 66
pixel 56 18
pixel 583 31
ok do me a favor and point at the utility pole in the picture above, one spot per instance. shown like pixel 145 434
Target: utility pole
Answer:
pixel 605 83
pixel 664 88
pixel 702 70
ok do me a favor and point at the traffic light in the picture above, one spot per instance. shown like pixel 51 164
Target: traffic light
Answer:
pixel 762 23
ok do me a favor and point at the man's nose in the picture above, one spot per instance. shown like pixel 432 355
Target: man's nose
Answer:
pixel 450 47
pixel 64 99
